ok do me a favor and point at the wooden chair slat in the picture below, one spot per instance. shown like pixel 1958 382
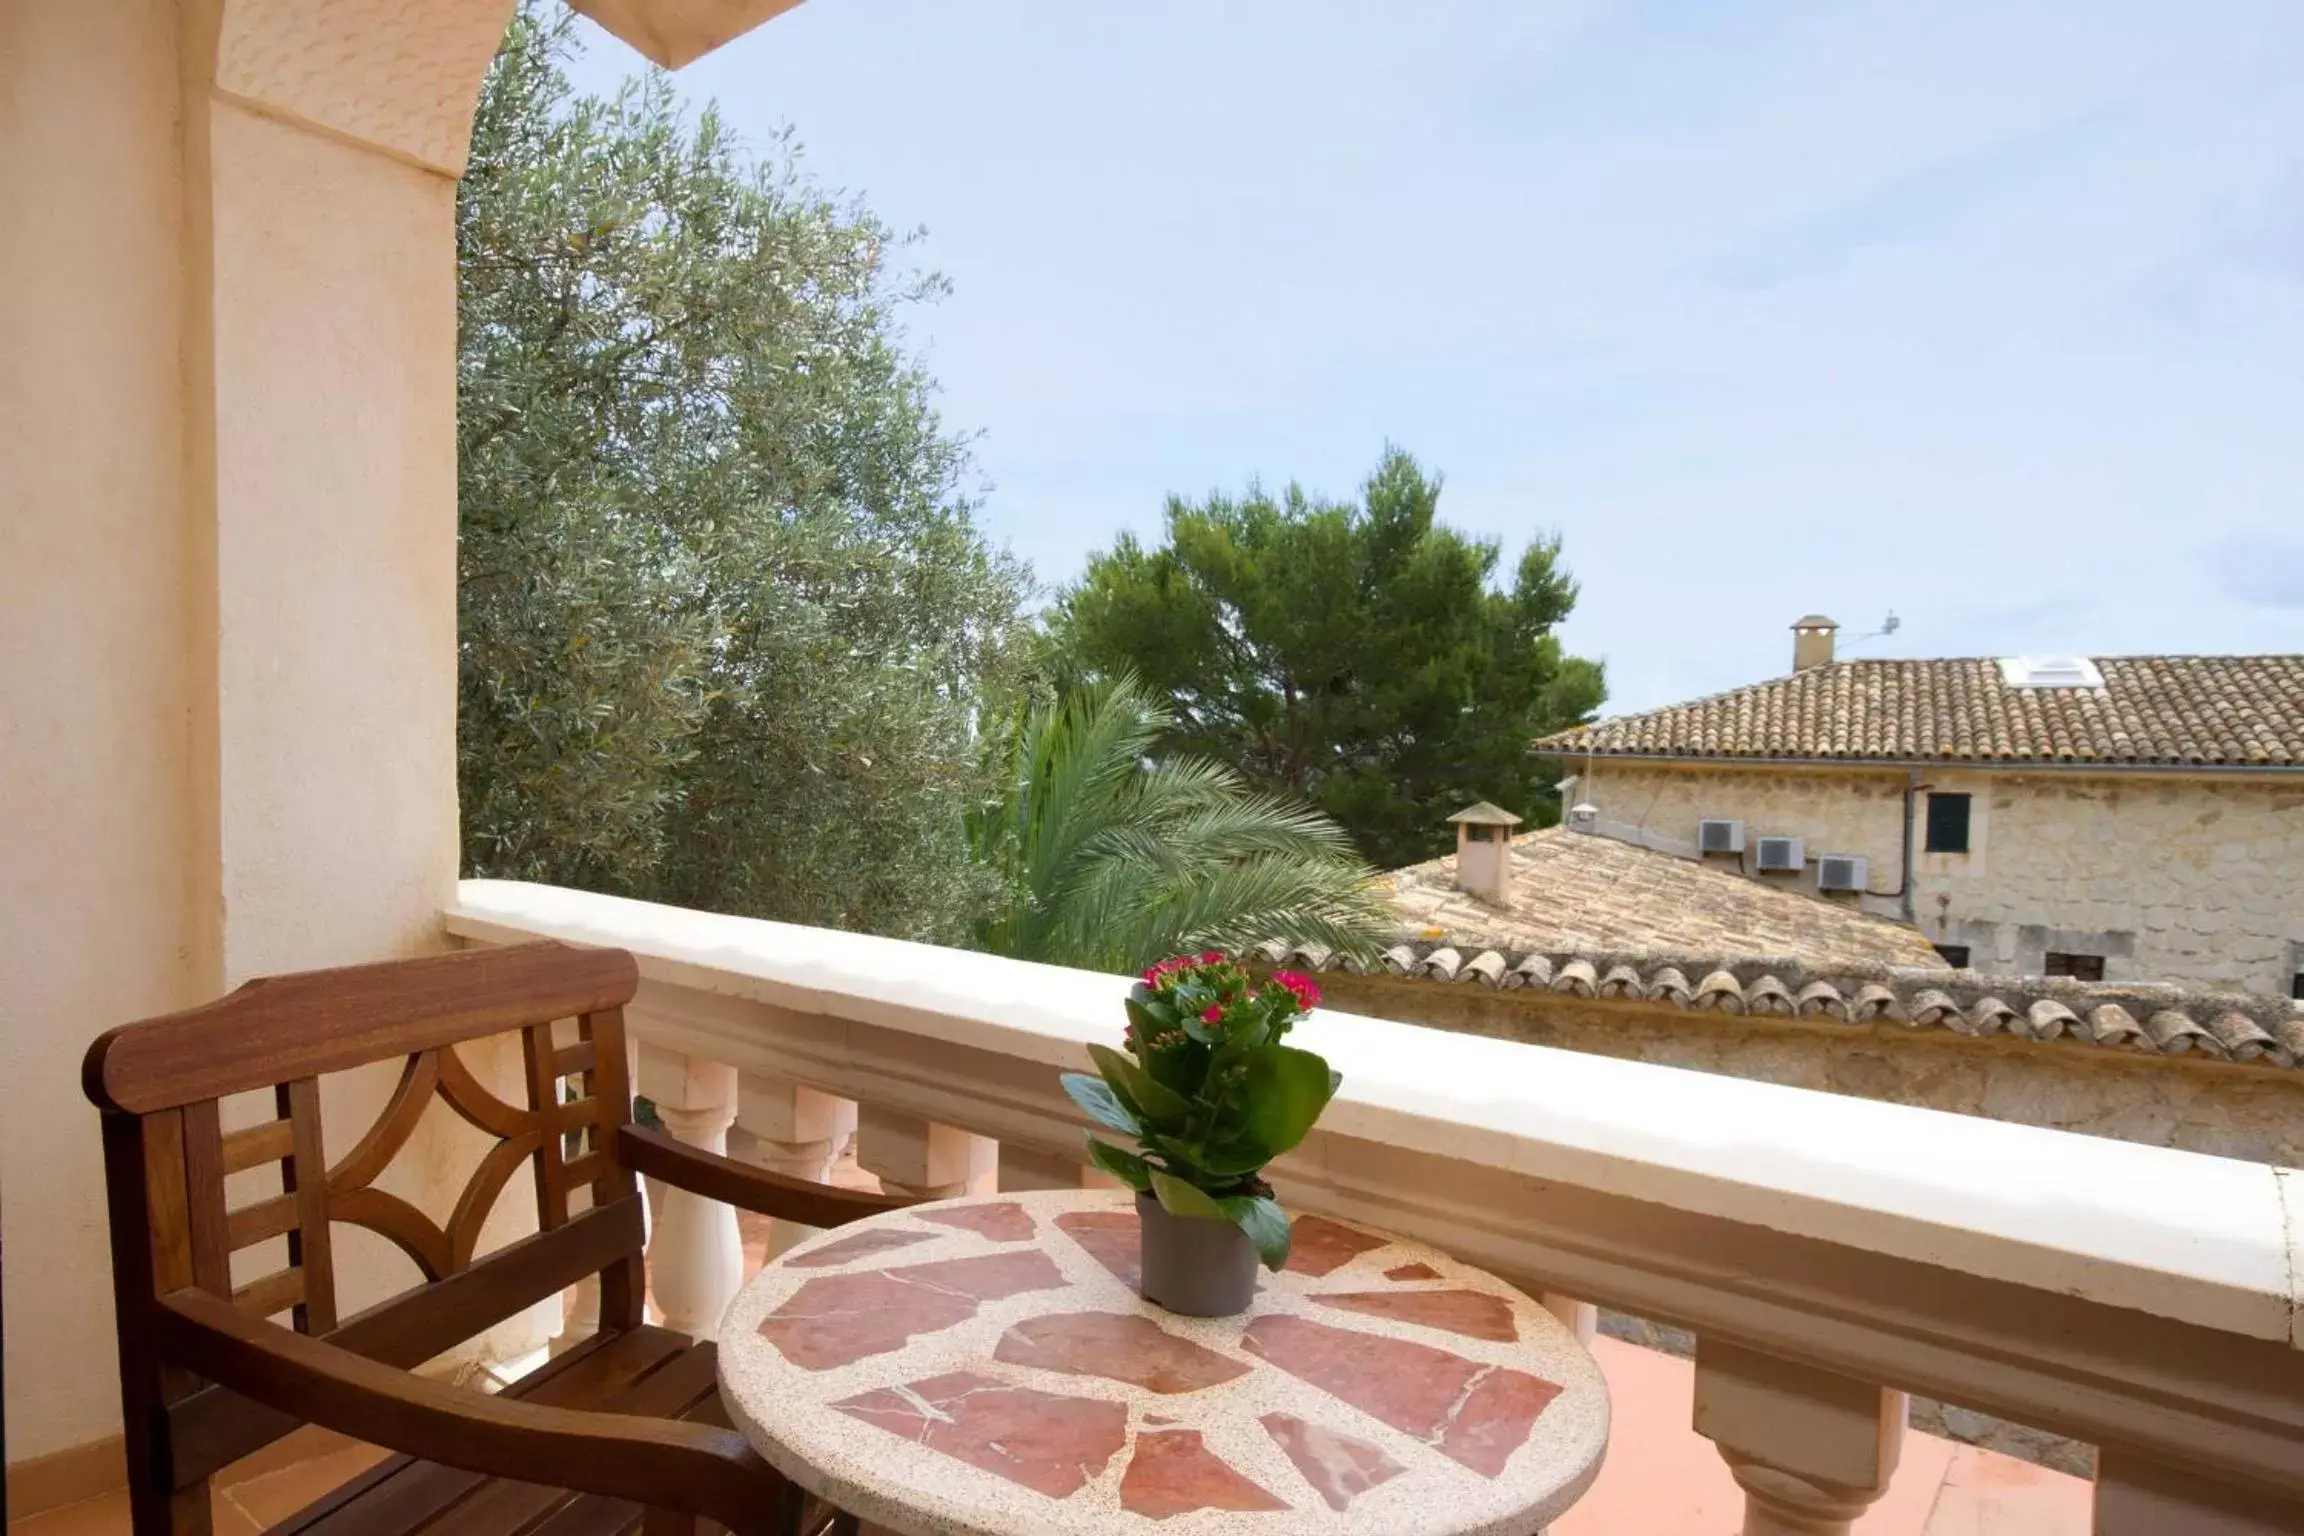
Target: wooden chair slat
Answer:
pixel 623 1286
pixel 305 1177
pixel 272 1142
pixel 216 1427
pixel 282 1028
pixel 429 1496
pixel 666 1392
pixel 573 1059
pixel 540 1060
pixel 272 1294
pixel 252 1224
pixel 207 1229
pixel 588 1169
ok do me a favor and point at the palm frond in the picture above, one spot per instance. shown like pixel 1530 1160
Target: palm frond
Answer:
pixel 1113 862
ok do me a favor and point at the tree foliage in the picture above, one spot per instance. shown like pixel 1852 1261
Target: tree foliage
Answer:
pixel 1111 860
pixel 1359 655
pixel 725 619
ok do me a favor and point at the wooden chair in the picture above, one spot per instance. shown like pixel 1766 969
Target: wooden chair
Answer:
pixel 623 1432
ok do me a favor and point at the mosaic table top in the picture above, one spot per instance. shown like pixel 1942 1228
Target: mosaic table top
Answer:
pixel 984 1367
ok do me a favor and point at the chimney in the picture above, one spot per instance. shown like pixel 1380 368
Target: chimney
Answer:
pixel 1484 852
pixel 1812 642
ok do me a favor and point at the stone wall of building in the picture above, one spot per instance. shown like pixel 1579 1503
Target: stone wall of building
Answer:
pixel 2197 881
pixel 2227 1109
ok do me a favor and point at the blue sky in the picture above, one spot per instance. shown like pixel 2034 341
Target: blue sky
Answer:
pixel 1989 313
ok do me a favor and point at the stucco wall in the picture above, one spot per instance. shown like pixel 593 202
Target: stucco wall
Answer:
pixel 2256 1113
pixel 2188 880
pixel 95 775
pixel 227 603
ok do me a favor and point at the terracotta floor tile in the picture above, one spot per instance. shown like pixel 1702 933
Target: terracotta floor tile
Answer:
pixel 276 1495
pixel 1984 1494
pixel 107 1515
pixel 1662 1477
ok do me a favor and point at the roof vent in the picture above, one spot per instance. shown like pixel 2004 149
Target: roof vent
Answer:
pixel 2050 672
pixel 1781 855
pixel 1719 837
pixel 1842 872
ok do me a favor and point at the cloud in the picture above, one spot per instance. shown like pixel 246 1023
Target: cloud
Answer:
pixel 2266 569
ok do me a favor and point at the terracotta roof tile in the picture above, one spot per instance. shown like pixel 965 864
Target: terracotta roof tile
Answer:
pixel 2153 711
pixel 2048 1013
pixel 1574 891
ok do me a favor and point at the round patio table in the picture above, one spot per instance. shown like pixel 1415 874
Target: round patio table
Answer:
pixel 984 1367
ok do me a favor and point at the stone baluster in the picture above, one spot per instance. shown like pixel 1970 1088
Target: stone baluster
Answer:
pixel 920 1158
pixel 695 1254
pixel 796 1131
pixel 1812 1450
pixel 1581 1318
pixel 1022 1168
pixel 2136 1496
pixel 581 1319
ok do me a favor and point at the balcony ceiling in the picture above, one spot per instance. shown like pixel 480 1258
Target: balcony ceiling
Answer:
pixel 675 32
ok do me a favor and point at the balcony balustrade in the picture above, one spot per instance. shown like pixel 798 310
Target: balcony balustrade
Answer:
pixel 1830 1254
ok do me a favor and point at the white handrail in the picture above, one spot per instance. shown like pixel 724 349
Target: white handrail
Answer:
pixel 2201 1240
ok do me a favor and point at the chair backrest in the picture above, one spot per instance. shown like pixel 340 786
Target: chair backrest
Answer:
pixel 160 1084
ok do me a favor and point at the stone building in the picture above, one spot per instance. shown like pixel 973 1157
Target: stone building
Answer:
pixel 1596 944
pixel 2122 819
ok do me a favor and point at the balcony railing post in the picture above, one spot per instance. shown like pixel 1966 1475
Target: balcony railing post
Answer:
pixel 1581 1318
pixel 917 1157
pixel 2136 1496
pixel 1021 1168
pixel 797 1131
pixel 1812 1450
pixel 695 1254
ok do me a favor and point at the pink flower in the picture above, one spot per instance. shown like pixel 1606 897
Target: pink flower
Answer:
pixel 1212 1014
pixel 1211 957
pixel 1299 987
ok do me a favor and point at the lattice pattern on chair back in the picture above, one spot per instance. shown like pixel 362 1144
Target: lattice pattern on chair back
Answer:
pixel 564 1134
pixel 180 1068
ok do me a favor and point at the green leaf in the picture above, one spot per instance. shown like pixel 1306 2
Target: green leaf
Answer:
pixel 1265 1223
pixel 1283 1094
pixel 1178 1198
pixel 1127 1167
pixel 1149 1017
pixel 1234 1158
pixel 1095 1095
pixel 1181 1070
pixel 1150 1098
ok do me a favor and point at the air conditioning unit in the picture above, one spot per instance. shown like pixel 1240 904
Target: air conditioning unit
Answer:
pixel 1719 837
pixel 1779 855
pixel 1843 872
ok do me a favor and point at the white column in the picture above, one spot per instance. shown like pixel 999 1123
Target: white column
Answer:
pixel 1581 1318
pixel 581 1320
pixel 695 1254
pixel 796 1131
pixel 1812 1450
pixel 927 1161
pixel 1021 1168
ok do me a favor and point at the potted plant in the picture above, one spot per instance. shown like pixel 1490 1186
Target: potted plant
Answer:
pixel 1210 1095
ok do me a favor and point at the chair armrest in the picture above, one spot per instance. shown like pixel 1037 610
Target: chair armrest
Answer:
pixel 805 1201
pixel 658 1463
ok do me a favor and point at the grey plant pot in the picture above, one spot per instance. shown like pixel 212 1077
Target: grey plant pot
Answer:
pixel 1194 1265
